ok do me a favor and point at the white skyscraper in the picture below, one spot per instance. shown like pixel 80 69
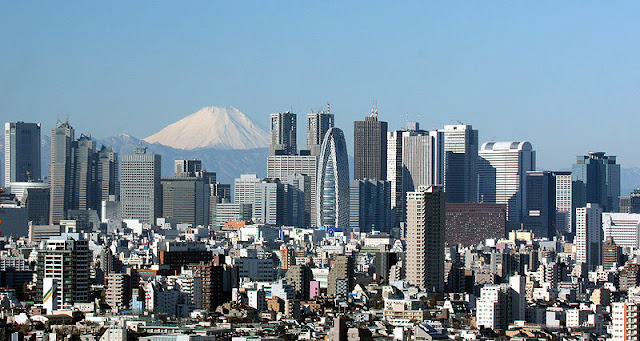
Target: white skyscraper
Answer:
pixel 140 187
pixel 502 170
pixel 563 201
pixel 460 158
pixel 588 237
pixel 624 228
pixel 244 188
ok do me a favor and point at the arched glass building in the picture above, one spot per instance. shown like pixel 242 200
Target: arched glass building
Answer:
pixel 332 189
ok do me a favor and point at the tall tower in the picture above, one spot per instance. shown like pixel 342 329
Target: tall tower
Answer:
pixel 460 155
pixel 501 176
pixel 60 179
pixel 540 212
pixel 83 169
pixel 596 179
pixel 318 123
pixel 107 174
pixel 426 238
pixel 588 237
pixel 140 188
pixel 21 152
pixel 283 134
pixel 332 190
pixel 370 148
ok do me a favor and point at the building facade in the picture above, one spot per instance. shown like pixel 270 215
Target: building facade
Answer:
pixel 21 152
pixel 140 187
pixel 332 192
pixel 370 148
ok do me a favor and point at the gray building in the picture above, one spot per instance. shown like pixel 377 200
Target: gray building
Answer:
pixel 62 137
pixel 370 148
pixel 318 123
pixel 369 206
pixel 225 212
pixel 299 195
pixel 460 155
pixel 140 188
pixel 596 179
pixel 186 200
pixel 340 280
pixel 283 166
pixel 283 134
pixel 269 203
pixel 21 152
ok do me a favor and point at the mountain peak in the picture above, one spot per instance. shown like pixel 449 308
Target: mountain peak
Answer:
pixel 212 127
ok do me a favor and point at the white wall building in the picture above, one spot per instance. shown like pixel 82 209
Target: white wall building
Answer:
pixel 624 228
pixel 588 237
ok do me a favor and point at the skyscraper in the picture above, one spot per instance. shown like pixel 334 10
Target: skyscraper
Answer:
pixel 83 169
pixel 244 188
pixel 283 166
pixel 501 176
pixel 540 212
pixel 283 134
pixel 564 206
pixel 369 206
pixel 318 123
pixel 370 148
pixel 589 235
pixel 107 174
pixel 426 238
pixel 186 199
pixel 596 179
pixel 21 152
pixel 460 155
pixel 332 192
pixel 60 179
pixel 269 203
pixel 140 188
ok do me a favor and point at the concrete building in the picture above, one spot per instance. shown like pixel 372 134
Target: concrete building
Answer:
pixel 283 134
pixel 472 223
pixel 300 277
pixel 35 197
pixel 225 212
pixel 624 321
pixel 332 192
pixel 426 238
pixel 21 152
pixel 283 166
pixel 299 194
pixel 186 200
pixel 140 187
pixel 340 281
pixel 244 188
pixel 118 293
pixel 66 260
pixel 460 157
pixel 369 202
pixel 589 236
pixel 564 197
pixel 623 228
pixel 502 173
pixel 60 171
pixel 370 148
pixel 269 205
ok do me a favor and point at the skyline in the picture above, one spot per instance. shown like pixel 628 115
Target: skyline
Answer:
pixel 514 71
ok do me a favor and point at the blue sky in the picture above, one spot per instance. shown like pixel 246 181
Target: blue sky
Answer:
pixel 565 76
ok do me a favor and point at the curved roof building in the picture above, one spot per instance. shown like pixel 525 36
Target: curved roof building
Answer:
pixel 332 182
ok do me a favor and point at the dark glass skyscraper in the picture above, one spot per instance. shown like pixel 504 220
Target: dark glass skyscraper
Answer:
pixel 22 152
pixel 62 137
pixel 283 134
pixel 596 180
pixel 540 212
pixel 370 148
pixel 460 155
pixel 369 208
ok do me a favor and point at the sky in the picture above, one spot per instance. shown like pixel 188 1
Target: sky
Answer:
pixel 563 75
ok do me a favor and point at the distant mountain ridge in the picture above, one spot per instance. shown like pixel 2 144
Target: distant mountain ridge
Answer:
pixel 212 127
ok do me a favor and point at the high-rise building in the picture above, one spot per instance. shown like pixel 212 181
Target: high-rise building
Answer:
pixel 340 280
pixel 225 212
pixel 634 201
pixel 283 166
pixel 318 123
pixel 460 157
pixel 83 169
pixel 540 212
pixel 564 206
pixel 118 291
pixel 502 171
pixel 300 276
pixel 611 253
pixel 426 238
pixel 472 223
pixel 596 179
pixel 369 206
pixel 269 203
pixel 623 228
pixel 65 260
pixel 186 200
pixel 244 188
pixel 370 148
pixel 589 235
pixel 300 194
pixel 21 152
pixel 422 156
pixel 140 187
pixel 60 179
pixel 34 196
pixel 107 174
pixel 332 191
pixel 394 168
pixel 283 134
pixel 187 168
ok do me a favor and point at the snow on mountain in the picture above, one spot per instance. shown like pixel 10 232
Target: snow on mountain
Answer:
pixel 212 127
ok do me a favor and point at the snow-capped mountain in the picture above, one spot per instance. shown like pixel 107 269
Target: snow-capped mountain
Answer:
pixel 212 127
